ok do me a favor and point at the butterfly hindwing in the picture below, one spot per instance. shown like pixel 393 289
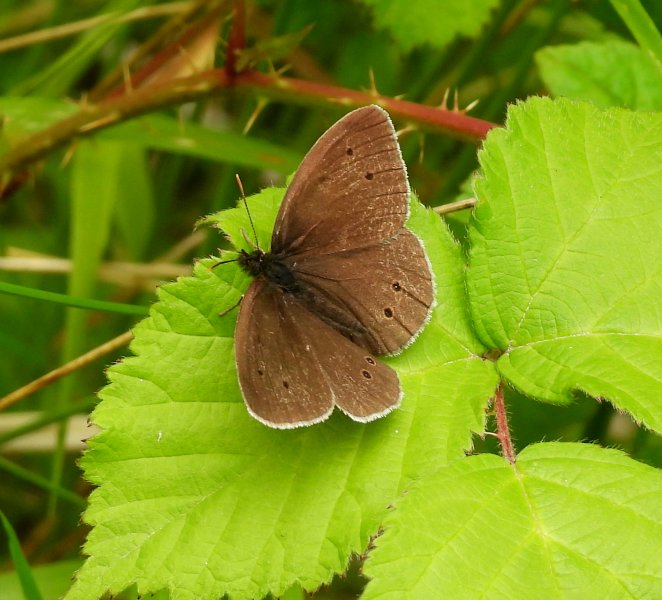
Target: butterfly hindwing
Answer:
pixel 386 287
pixel 293 368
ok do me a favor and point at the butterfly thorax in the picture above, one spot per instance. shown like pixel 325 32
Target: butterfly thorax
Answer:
pixel 277 272
pixel 271 267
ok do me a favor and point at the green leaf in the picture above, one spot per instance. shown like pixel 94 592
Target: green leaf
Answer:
pixel 566 521
pixel 165 133
pixel 271 49
pixel 26 579
pixel 197 496
pixel 68 300
pixel 565 271
pixel 31 477
pixel 95 187
pixel 612 73
pixel 135 203
pixel 53 580
pixel 65 68
pixel 642 27
pixel 418 22
pixel 23 116
pixel 236 224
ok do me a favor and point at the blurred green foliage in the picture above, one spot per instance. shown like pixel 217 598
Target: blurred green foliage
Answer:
pixel 134 192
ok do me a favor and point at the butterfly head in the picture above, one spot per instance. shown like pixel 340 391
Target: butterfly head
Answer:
pixel 252 262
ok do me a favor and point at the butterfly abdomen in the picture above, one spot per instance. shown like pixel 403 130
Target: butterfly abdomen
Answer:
pixel 279 274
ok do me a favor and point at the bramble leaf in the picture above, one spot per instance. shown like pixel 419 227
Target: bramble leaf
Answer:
pixel 565 270
pixel 418 22
pixel 196 496
pixel 612 73
pixel 566 521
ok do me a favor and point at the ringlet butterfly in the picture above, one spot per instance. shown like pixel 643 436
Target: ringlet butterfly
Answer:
pixel 343 281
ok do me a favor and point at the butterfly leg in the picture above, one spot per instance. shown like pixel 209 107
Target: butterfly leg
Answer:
pixel 227 310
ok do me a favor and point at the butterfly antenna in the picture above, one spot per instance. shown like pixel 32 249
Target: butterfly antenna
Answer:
pixel 243 197
pixel 223 262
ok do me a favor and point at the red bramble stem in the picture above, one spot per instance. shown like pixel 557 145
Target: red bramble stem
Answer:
pixel 95 117
pixel 503 433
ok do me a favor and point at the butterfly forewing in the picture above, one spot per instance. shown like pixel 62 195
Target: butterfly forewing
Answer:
pixel 293 368
pixel 350 190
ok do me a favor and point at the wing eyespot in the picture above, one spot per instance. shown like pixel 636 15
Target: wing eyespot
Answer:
pixel 350 152
pixel 396 286
pixel 260 372
pixel 366 374
pixel 388 313
pixel 369 175
pixel 286 384
pixel 370 360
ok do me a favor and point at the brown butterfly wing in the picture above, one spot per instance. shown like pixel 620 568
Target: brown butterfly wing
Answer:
pixel 350 190
pixel 386 287
pixel 340 228
pixel 293 368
